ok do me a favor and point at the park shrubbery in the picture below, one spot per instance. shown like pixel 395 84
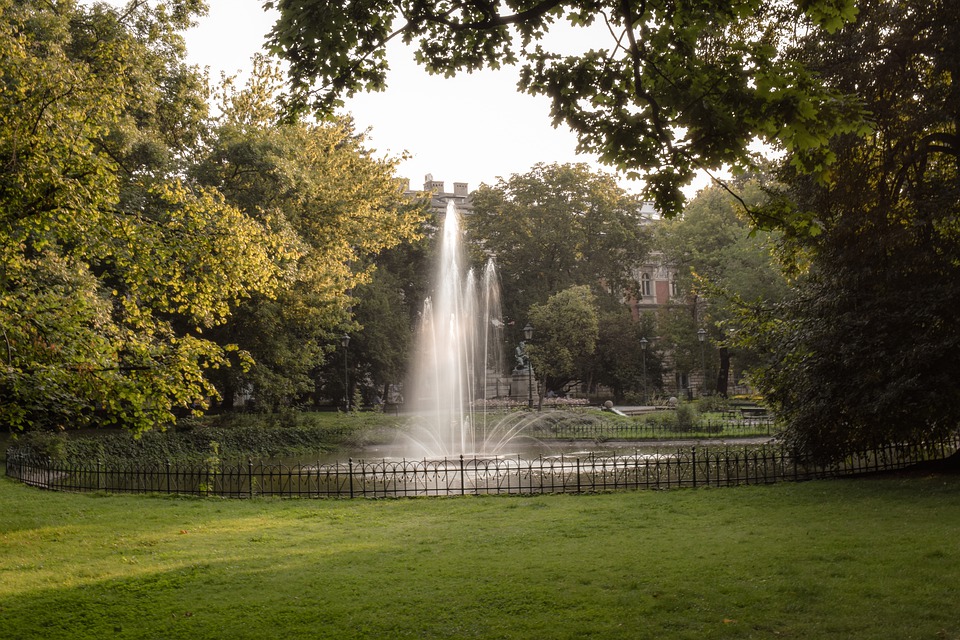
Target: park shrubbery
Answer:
pixel 233 435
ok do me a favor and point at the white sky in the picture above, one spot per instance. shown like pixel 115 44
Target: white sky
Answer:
pixel 473 128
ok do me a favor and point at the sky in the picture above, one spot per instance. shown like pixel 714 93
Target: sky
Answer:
pixel 473 128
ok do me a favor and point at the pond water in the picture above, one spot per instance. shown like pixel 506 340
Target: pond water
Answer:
pixel 524 448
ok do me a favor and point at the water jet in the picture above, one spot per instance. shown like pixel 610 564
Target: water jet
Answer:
pixel 459 360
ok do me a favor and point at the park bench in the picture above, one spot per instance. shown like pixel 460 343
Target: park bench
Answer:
pixel 755 413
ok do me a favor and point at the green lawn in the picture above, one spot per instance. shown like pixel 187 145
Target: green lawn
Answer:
pixel 870 558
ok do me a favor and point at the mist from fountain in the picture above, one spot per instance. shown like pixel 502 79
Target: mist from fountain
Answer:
pixel 459 350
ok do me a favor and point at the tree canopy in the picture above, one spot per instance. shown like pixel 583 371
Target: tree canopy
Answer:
pixel 338 204
pixel 868 351
pixel 111 265
pixel 724 265
pixel 133 225
pixel 674 86
pixel 557 226
pixel 566 329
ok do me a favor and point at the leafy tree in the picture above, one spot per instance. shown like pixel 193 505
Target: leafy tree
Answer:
pixel 618 361
pixel 566 328
pixel 111 265
pixel 555 227
pixel 868 351
pixel 677 326
pixel 678 85
pixel 389 309
pixel 338 205
pixel 723 263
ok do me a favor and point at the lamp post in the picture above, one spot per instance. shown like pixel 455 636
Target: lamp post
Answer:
pixel 528 336
pixel 643 353
pixel 345 341
pixel 702 337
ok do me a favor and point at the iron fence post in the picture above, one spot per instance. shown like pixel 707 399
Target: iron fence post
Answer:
pixel 350 474
pixel 463 484
pixel 693 458
pixel 706 468
pixel 249 477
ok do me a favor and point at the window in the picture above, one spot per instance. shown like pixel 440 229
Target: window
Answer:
pixel 645 285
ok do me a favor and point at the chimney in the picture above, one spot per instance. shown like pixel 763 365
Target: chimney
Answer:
pixel 460 189
pixel 429 184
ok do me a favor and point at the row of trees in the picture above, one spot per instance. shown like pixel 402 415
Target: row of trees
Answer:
pixel 145 244
pixel 570 245
pixel 868 346
pixel 158 257
pixel 859 96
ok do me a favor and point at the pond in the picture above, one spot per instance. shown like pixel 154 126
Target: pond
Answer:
pixel 523 448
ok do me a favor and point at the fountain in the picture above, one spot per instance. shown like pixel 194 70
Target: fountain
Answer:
pixel 459 355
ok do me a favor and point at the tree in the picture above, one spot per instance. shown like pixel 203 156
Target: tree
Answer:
pixel 723 263
pixel 566 334
pixel 618 361
pixel 678 86
pixel 111 265
pixel 334 201
pixel 868 352
pixel 555 227
pixel 389 309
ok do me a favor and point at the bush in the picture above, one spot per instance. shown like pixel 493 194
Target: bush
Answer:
pixel 230 436
pixel 686 414
pixel 44 444
pixel 713 404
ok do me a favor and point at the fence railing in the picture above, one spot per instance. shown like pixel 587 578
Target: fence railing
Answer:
pixel 636 430
pixel 659 469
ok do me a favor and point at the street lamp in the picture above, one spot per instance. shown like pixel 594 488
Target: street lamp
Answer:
pixel 345 341
pixel 702 337
pixel 643 352
pixel 528 336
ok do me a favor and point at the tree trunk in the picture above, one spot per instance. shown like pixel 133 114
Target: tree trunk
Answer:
pixel 723 375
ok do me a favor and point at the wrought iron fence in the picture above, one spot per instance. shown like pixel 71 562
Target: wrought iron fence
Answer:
pixel 637 430
pixel 660 469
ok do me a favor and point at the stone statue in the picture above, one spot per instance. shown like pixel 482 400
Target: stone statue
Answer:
pixel 521 354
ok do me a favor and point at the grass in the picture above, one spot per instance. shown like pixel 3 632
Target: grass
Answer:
pixel 869 558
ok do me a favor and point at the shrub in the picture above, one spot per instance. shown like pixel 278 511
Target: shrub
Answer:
pixel 44 444
pixel 222 437
pixel 712 404
pixel 686 415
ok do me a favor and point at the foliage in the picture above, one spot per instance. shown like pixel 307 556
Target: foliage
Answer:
pixel 388 309
pixel 619 362
pixel 868 351
pixel 713 404
pixel 339 204
pixel 232 437
pixel 686 416
pixel 669 87
pixel 145 246
pixel 723 263
pixel 555 227
pixel 566 333
pixel 111 265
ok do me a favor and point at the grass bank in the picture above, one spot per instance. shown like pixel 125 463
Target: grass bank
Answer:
pixel 869 558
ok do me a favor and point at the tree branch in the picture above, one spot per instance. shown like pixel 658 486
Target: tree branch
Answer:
pixel 493 19
pixel 637 60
